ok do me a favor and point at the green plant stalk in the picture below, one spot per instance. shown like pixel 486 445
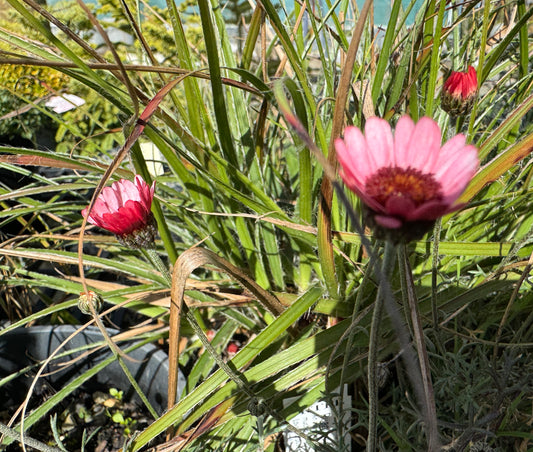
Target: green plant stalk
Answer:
pixel 237 114
pixel 356 308
pixel 524 42
pixel 224 129
pixel 305 209
pixel 389 259
pixel 13 434
pixel 480 69
pixel 435 57
pixel 319 45
pixel 385 52
pixel 157 262
pixel 297 66
pixel 428 28
pixel 191 88
pixel 325 207
pixel 251 37
pixel 119 357
pixel 434 273
pixel 430 411
pixel 204 363
pixel 215 382
pixel 506 314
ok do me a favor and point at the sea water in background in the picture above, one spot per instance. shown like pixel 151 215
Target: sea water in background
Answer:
pixel 382 8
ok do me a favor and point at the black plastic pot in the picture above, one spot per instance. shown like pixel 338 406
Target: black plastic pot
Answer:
pixel 26 346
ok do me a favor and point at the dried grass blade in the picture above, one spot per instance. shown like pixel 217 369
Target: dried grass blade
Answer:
pixel 188 261
pixel 325 243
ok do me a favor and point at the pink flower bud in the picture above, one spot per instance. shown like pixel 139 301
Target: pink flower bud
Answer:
pixel 459 92
pixel 232 348
pixel 124 209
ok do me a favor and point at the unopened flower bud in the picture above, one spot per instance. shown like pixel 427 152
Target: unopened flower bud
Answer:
pixel 232 349
pixel 459 92
pixel 90 298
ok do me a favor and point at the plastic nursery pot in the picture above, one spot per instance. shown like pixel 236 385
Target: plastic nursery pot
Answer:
pixel 25 346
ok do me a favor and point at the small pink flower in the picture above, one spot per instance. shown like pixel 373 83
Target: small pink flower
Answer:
pixel 408 180
pixel 124 209
pixel 459 92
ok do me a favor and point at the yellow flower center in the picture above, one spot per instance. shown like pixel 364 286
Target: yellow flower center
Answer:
pixel 403 182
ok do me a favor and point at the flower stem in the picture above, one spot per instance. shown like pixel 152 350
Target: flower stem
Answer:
pixel 402 333
pixel 13 434
pixel 373 346
pixel 158 263
pixel 430 410
pixel 434 269
pixel 119 357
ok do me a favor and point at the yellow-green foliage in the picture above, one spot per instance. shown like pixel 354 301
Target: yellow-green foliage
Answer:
pixel 31 82
pixel 20 86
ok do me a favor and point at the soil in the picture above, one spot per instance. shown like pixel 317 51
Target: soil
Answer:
pixel 98 417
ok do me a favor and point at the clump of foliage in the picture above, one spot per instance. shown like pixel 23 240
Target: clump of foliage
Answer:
pixel 22 92
pixel 242 199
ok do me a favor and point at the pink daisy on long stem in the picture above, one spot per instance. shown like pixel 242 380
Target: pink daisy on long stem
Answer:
pixel 408 180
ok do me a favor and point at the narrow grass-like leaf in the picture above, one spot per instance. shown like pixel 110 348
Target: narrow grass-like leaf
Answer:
pixel 245 355
pixel 66 257
pixel 511 121
pixel 498 166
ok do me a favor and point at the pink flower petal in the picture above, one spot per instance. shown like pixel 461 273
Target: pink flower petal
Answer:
pixel 449 153
pixel 388 222
pixel 351 182
pixel 114 223
pixel 124 207
pixel 370 202
pixel 101 206
pixel 128 190
pixel 111 198
pixel 399 206
pixel 424 145
pixel 429 211
pixel 402 137
pixel 380 143
pixel 456 176
pixel 352 153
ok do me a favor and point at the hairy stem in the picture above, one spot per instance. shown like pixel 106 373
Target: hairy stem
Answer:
pixel 373 347
pixel 12 433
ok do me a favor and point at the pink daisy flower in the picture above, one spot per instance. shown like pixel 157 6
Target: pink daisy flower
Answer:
pixel 124 209
pixel 408 180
